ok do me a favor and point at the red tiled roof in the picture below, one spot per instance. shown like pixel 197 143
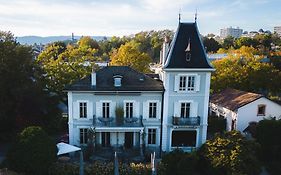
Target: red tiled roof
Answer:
pixel 233 99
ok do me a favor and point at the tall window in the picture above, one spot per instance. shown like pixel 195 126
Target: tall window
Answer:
pixel 152 110
pixel 191 83
pixel 261 110
pixel 185 110
pixel 129 110
pixel 151 136
pixel 83 136
pixel 182 86
pixel 83 109
pixel 105 110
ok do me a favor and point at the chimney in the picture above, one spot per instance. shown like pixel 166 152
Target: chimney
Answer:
pixel 165 49
pixel 94 78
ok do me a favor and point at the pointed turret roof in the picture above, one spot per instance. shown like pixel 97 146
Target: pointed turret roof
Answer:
pixel 187 40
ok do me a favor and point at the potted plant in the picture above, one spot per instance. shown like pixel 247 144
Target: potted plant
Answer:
pixel 176 120
pixel 119 113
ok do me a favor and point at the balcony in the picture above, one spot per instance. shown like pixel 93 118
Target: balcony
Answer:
pixel 114 122
pixel 190 121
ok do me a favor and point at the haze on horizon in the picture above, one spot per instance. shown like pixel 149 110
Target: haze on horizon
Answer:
pixel 125 17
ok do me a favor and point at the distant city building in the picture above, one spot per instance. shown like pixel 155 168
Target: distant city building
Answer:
pixel 234 32
pixel 277 29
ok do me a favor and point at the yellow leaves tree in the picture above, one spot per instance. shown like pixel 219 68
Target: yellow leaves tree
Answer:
pixel 130 55
pixel 244 69
pixel 62 66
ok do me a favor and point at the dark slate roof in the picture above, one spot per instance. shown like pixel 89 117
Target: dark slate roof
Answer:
pixel 233 99
pixel 131 81
pixel 176 58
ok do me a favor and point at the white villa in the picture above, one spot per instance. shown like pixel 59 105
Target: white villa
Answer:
pixel 160 111
pixel 241 108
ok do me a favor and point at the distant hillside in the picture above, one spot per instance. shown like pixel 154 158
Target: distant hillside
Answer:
pixel 49 39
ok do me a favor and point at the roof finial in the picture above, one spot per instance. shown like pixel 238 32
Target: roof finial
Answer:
pixel 179 15
pixel 195 17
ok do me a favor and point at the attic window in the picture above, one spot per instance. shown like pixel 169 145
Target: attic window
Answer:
pixel 117 80
pixel 188 51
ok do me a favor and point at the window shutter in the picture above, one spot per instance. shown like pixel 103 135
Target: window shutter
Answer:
pixel 194 109
pixel 177 109
pixel 158 110
pixel 197 83
pixel 145 110
pixel 136 106
pixel 176 84
pixel 112 107
pixel 75 110
pixel 90 110
pixel 98 109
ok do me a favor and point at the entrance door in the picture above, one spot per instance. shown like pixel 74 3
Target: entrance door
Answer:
pixel 129 139
pixel 105 139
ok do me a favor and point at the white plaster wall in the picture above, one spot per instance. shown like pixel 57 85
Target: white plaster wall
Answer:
pixel 248 112
pixel 201 98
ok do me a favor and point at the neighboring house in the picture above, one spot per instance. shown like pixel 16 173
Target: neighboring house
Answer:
pixel 241 108
pixel 163 111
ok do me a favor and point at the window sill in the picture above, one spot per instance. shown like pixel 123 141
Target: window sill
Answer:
pixel 260 114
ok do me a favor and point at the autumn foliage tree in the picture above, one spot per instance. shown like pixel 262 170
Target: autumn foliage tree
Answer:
pixel 130 55
pixel 243 69
pixel 229 154
pixel 64 66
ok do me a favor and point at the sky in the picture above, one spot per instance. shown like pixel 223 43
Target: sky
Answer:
pixel 126 17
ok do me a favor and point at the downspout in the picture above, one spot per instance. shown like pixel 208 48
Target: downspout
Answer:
pixel 161 130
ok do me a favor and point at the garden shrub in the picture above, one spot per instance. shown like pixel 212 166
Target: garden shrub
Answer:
pixel 33 152
pixel 178 162
pixel 216 124
pixel 229 153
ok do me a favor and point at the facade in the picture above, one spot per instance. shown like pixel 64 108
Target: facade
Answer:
pixel 160 111
pixel 277 30
pixel 242 108
pixel 234 32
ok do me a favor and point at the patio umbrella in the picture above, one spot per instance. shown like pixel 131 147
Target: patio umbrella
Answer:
pixel 64 148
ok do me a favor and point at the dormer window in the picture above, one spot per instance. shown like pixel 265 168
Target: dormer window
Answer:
pixel 117 80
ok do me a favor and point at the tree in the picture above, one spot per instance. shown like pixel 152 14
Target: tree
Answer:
pixel 242 69
pixel 246 41
pixel 270 142
pixel 63 68
pixel 23 98
pixel 228 42
pixel 178 162
pixel 228 154
pixel 33 153
pixel 130 55
pixel 211 44
pixel 87 41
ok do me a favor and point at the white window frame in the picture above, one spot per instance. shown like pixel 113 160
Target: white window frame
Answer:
pixel 154 109
pixel 109 104
pixel 148 135
pixel 190 104
pixel 129 110
pixel 83 142
pixel 87 109
pixel 183 87
pixel 133 110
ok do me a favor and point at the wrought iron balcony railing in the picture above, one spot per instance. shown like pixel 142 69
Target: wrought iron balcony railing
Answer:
pixel 189 121
pixel 117 122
